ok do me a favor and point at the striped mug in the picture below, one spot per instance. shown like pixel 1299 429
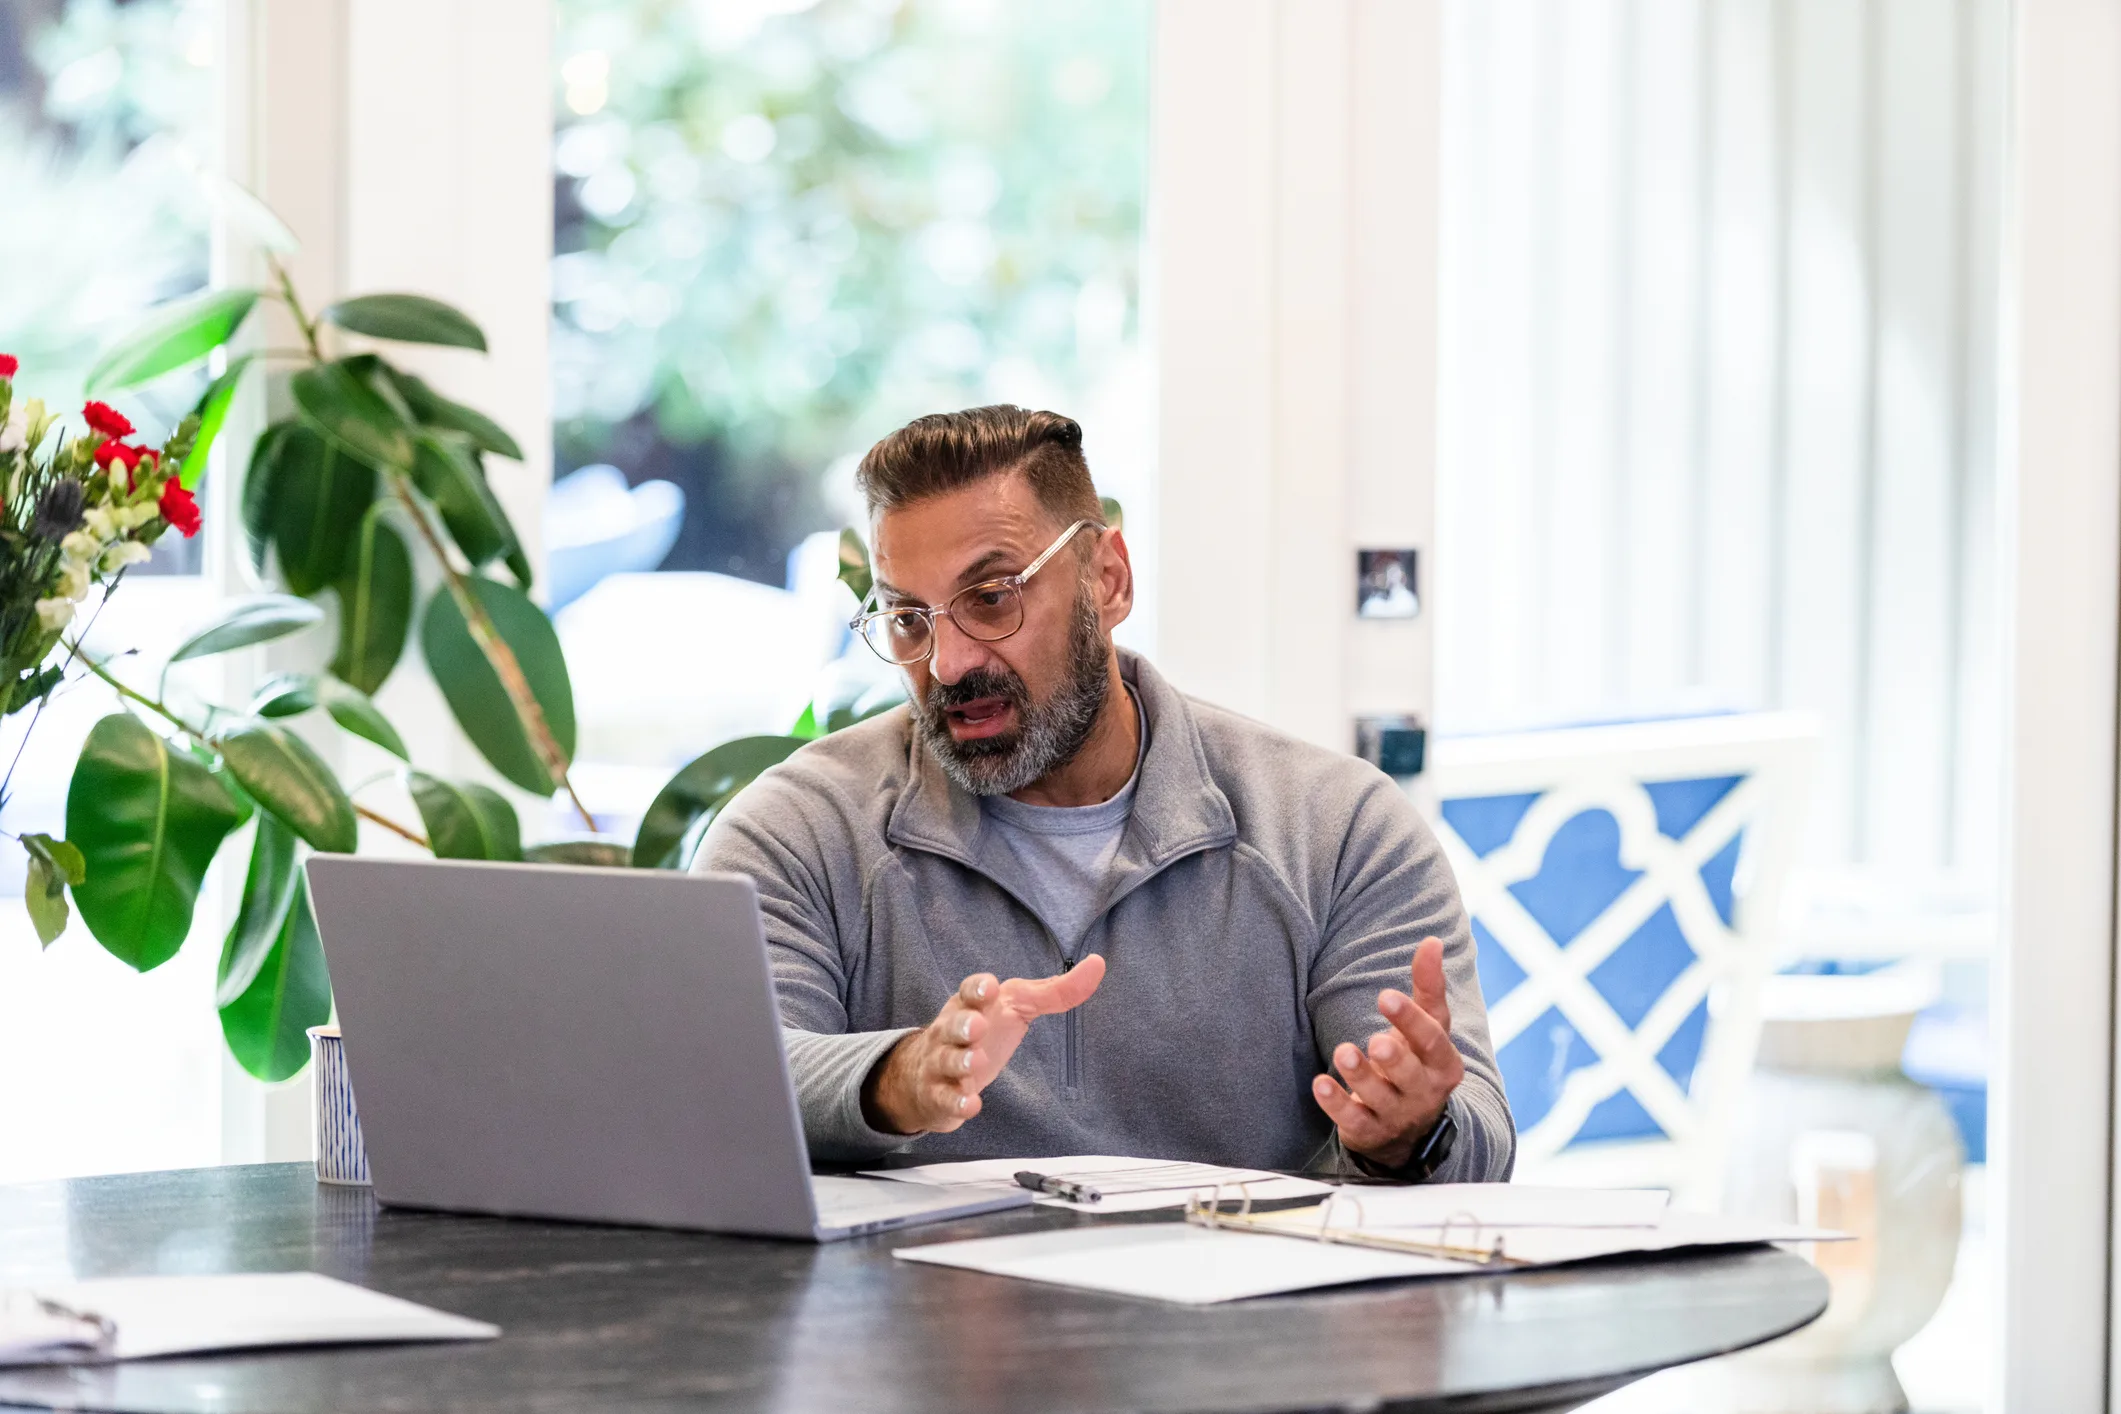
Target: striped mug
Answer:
pixel 341 1157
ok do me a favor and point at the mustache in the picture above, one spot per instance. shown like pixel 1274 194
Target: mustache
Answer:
pixel 979 683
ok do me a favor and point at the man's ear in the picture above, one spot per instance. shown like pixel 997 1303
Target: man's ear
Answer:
pixel 1115 580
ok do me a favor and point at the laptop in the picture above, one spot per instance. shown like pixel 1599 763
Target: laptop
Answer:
pixel 591 1044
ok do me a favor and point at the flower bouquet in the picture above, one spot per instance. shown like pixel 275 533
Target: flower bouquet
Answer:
pixel 73 516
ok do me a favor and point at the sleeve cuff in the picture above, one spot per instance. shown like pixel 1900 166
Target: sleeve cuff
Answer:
pixel 829 1071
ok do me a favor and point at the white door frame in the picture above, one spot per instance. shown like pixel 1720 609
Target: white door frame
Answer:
pixel 2052 1133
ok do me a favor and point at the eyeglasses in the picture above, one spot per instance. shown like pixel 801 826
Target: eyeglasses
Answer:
pixel 988 611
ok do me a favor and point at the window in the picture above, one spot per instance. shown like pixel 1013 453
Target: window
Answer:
pixel 784 228
pixel 107 116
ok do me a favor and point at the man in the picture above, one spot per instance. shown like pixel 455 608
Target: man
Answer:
pixel 1260 952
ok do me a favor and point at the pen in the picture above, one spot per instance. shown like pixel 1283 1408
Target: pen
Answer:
pixel 1059 1187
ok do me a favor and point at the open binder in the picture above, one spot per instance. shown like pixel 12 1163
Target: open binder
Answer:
pixel 1463 1235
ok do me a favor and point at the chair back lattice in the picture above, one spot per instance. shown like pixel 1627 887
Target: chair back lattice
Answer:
pixel 1623 882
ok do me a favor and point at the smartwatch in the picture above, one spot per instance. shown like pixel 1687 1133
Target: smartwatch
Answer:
pixel 1430 1154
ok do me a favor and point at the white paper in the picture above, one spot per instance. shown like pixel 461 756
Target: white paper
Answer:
pixel 1196 1265
pixel 171 1315
pixel 1179 1262
pixel 1128 1185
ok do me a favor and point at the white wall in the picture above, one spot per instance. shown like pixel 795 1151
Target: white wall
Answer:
pixel 1293 305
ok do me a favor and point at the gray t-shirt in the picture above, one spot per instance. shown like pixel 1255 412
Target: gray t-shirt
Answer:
pixel 1065 852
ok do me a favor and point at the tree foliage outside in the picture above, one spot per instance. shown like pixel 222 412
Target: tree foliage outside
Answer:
pixel 783 228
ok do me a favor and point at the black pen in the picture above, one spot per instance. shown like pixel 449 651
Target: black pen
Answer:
pixel 1059 1187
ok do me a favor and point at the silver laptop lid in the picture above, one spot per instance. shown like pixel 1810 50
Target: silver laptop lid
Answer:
pixel 562 1042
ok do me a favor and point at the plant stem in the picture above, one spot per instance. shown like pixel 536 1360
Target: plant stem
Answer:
pixel 294 307
pixel 499 655
pixel 393 826
pixel 186 727
pixel 140 697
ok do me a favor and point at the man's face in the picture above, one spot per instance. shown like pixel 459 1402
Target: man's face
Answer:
pixel 1001 715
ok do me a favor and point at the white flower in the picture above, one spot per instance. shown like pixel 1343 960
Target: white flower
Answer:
pixel 55 614
pixel 125 552
pixel 101 522
pixel 14 435
pixel 133 517
pixel 80 545
pixel 73 580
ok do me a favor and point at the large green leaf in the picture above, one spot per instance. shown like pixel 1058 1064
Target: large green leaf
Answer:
pixel 289 779
pixel 482 707
pixel 147 820
pixel 320 492
pixel 212 412
pixel 256 620
pixel 448 473
pixel 696 794
pixel 587 852
pixel 408 319
pixel 351 708
pixel 53 866
pixel 284 695
pixel 464 820
pixel 375 604
pixel 268 890
pixel 180 332
pixel 259 485
pixel 854 566
pixel 343 405
pixel 431 409
pixel 267 1026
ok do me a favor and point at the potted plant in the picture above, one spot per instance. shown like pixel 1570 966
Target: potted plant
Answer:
pixel 370 472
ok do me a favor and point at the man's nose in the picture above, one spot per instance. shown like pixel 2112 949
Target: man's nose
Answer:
pixel 956 652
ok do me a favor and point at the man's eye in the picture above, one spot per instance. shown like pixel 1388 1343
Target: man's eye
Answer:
pixel 989 598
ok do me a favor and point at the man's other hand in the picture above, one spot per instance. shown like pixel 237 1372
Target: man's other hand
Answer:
pixel 932 1079
pixel 1395 1093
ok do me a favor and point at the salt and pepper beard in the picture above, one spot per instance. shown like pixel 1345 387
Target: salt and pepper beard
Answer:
pixel 1048 734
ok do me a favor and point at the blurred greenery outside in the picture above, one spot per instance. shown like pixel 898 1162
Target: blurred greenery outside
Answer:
pixel 785 227
pixel 106 112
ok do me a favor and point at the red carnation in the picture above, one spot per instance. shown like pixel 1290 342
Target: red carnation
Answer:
pixel 8 364
pixel 108 420
pixel 179 509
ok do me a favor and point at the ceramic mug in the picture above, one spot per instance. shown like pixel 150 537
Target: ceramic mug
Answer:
pixel 341 1157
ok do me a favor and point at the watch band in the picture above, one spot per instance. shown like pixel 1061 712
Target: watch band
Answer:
pixel 1434 1150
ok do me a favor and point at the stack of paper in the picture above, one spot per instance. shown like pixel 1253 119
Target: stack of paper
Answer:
pixel 127 1318
pixel 1125 1185
pixel 1359 1234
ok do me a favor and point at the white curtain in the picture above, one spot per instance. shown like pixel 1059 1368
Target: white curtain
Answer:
pixel 1717 424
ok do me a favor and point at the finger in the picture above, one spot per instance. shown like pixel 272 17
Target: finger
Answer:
pixel 1416 1027
pixel 1047 995
pixel 1415 1075
pixel 1367 1082
pixel 958 1026
pixel 1356 1123
pixel 975 990
pixel 952 1102
pixel 1429 992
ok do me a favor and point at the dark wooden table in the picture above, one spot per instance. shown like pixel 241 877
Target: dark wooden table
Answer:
pixel 598 1318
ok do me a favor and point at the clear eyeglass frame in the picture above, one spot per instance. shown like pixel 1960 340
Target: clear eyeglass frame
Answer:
pixel 988 623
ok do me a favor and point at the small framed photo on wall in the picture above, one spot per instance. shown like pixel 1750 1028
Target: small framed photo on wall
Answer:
pixel 1385 585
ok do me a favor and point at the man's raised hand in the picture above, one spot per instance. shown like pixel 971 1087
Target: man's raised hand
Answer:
pixel 1396 1091
pixel 932 1079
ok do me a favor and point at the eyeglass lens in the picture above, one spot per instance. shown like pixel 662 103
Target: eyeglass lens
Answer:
pixel 985 611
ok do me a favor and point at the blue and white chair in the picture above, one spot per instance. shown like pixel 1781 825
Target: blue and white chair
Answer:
pixel 1624 883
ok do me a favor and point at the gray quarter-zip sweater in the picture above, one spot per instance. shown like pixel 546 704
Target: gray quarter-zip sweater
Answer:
pixel 1264 891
